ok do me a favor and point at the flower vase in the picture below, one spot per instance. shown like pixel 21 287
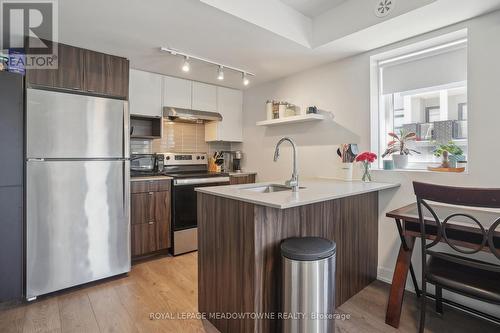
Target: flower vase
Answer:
pixel 367 177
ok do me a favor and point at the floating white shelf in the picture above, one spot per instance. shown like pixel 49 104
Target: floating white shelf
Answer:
pixel 292 119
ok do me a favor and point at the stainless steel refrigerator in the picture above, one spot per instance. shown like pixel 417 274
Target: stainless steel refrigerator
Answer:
pixel 77 190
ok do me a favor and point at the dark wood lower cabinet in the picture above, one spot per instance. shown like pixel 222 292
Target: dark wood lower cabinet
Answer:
pixel 150 217
pixel 242 179
pixel 239 258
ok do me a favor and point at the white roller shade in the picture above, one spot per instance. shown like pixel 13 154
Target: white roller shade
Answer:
pixel 425 72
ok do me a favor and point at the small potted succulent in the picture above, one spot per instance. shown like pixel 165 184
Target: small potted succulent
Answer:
pixel 455 153
pixel 367 158
pixel 398 147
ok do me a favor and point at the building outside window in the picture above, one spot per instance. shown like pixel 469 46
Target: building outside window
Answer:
pixel 425 92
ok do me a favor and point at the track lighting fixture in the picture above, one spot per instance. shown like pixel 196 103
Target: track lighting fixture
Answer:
pixel 186 66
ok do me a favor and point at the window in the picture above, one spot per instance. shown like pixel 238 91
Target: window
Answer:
pixel 423 91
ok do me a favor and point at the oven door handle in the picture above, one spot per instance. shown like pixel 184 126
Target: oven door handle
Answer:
pixel 200 181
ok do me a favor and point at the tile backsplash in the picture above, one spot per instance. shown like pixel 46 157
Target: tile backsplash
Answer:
pixel 138 146
pixel 179 138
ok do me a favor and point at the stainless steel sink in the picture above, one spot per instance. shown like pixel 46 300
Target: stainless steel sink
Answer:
pixel 269 188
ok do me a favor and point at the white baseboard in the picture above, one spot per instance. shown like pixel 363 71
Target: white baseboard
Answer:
pixel 385 275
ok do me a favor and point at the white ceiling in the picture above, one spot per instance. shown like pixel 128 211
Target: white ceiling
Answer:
pixel 245 35
pixel 312 8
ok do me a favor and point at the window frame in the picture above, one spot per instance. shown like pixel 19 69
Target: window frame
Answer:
pixel 379 122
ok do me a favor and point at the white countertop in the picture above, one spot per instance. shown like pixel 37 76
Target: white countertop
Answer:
pixel 146 178
pixel 316 190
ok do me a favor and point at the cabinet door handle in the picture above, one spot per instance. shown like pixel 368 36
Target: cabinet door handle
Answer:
pixel 150 193
pixel 151 222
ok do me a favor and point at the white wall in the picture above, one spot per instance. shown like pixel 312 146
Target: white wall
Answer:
pixel 343 87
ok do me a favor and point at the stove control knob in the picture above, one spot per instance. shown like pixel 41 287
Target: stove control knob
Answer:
pixel 203 157
pixel 168 157
pixel 197 157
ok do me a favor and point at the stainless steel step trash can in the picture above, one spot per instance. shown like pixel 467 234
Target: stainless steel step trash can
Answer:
pixel 308 285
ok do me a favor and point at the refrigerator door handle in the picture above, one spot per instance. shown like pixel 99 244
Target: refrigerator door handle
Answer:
pixel 126 129
pixel 126 199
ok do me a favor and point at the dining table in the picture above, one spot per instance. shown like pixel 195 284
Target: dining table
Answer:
pixel 460 230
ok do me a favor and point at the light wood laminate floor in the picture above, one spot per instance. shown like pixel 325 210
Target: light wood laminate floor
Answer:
pixel 168 286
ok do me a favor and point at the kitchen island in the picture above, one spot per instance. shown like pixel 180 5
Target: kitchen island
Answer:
pixel 240 228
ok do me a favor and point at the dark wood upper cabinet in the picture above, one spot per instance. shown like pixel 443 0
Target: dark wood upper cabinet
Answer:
pixel 106 74
pixel 95 72
pixel 84 71
pixel 117 70
pixel 69 74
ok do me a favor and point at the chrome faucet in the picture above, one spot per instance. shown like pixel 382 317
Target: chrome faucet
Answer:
pixel 294 181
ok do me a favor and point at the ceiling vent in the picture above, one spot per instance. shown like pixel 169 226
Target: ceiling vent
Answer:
pixel 384 7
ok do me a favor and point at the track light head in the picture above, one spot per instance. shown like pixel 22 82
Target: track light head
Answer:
pixel 185 65
pixel 246 81
pixel 220 75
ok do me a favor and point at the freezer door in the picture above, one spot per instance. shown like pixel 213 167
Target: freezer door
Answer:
pixel 63 125
pixel 78 227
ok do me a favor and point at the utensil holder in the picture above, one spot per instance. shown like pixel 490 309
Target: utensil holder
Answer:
pixel 346 171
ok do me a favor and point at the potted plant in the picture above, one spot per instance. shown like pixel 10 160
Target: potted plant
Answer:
pixel 367 158
pixel 398 147
pixel 455 153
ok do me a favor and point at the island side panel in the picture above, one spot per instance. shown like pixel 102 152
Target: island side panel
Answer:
pixel 226 264
pixel 351 222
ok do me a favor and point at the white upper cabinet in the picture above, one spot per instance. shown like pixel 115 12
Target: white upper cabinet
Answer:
pixel 204 97
pixel 145 94
pixel 230 106
pixel 177 92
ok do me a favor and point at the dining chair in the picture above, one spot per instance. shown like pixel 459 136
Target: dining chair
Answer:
pixel 457 271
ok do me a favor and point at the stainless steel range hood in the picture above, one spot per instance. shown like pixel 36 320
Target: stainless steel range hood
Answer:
pixel 178 114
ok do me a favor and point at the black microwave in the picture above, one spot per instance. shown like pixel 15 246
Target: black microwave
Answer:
pixel 146 163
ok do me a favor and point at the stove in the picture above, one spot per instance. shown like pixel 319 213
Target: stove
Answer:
pixel 188 171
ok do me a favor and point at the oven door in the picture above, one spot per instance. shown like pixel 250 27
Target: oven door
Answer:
pixel 184 200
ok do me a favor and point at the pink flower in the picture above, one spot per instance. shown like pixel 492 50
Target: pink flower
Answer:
pixel 366 156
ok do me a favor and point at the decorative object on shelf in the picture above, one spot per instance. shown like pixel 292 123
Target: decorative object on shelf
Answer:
pixel 291 110
pixel 367 158
pixel 276 106
pixel 454 154
pixel 398 147
pixel 269 110
pixel 312 109
pixel 388 164
pixel 282 109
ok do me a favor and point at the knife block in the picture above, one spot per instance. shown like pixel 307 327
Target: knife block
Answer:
pixel 212 167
